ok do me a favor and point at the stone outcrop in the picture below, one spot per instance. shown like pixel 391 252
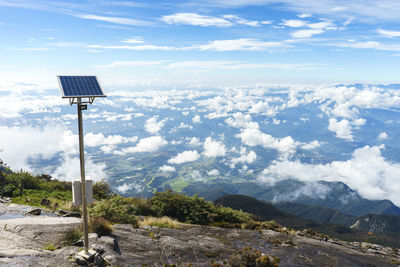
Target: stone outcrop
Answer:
pixel 198 245
pixel 23 239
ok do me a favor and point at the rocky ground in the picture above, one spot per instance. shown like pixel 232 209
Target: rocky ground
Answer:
pixel 23 238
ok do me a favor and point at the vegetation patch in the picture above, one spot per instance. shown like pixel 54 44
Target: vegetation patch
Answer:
pixel 252 257
pixel 163 222
pixel 99 226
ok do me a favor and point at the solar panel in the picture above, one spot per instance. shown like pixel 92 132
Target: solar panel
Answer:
pixel 80 86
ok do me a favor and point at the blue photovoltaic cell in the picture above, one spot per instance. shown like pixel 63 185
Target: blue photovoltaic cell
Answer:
pixel 80 86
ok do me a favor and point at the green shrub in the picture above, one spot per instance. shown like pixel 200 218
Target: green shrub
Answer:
pixel 116 209
pixel 186 209
pixel 195 210
pixel 252 258
pixel 99 226
pixel 232 216
pixel 101 190
pixel 50 247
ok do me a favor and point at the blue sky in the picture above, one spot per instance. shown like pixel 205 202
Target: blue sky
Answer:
pixel 180 44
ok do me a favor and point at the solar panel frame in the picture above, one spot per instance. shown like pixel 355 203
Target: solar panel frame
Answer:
pixel 79 86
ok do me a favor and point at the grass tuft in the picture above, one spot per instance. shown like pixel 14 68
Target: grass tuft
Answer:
pixel 164 222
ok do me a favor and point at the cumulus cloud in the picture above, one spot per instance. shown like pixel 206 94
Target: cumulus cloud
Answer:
pixel 294 23
pixel 254 137
pixel 93 140
pixel 343 128
pixel 69 170
pixel 240 120
pixel 184 157
pixel 213 148
pixel 382 136
pixel 153 126
pixel 194 141
pixel 148 144
pixel 213 172
pixel 312 145
pixel 124 188
pixel 167 169
pixel 245 157
pixel 196 119
pixel 305 33
pixel 366 172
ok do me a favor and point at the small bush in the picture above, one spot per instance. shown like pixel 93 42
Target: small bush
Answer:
pixel 101 190
pixel 50 247
pixel 186 209
pixel 195 210
pixel 252 258
pixel 99 226
pixel 116 209
pixel 164 222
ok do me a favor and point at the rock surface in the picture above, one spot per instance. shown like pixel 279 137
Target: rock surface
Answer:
pixel 201 244
pixel 22 242
pixel 23 238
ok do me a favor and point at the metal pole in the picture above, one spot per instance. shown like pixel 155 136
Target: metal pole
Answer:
pixel 82 161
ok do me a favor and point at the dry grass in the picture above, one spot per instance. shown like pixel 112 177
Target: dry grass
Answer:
pixel 68 205
pixel 164 222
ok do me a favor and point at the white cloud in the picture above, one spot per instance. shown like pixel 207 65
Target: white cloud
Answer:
pixel 304 15
pixel 213 148
pixel 245 44
pixel 184 157
pixel 194 141
pixel 239 20
pixel 117 64
pixel 185 126
pixel 132 47
pixel 93 140
pixel 117 20
pixel 237 65
pixel 127 187
pixel 69 170
pixel 342 129
pixel 153 126
pixel 366 172
pixel 196 119
pixel 167 169
pixel 305 33
pixel 254 137
pixel 213 172
pixel 245 157
pixel 135 40
pixel 148 144
pixel 240 120
pixel 382 136
pixel 48 141
pixel 390 34
pixel 312 145
pixel 196 20
pixel 294 23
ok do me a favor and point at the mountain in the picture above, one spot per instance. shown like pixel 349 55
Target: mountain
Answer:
pixel 319 214
pixel 334 195
pixel 380 229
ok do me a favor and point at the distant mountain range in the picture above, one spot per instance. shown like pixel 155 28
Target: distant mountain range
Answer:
pixel 382 229
pixel 336 195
